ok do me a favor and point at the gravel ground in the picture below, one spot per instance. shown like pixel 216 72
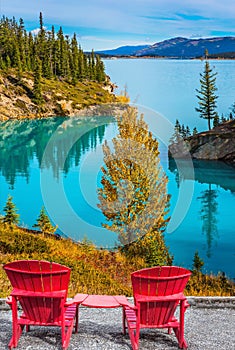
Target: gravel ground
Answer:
pixel 209 325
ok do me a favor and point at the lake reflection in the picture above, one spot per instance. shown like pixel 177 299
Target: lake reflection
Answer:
pixel 71 166
pixel 23 160
pixel 210 217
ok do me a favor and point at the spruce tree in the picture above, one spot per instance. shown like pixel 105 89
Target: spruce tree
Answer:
pixel 206 95
pixel 75 58
pixel 54 52
pixel 21 44
pixel 197 263
pixel 18 63
pixel 99 70
pixel 92 66
pixel 43 223
pixel 37 88
pixel 60 57
pixel 11 217
pixel 232 108
pixel 61 53
pixel 81 64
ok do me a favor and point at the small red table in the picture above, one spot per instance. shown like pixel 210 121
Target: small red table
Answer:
pixel 102 301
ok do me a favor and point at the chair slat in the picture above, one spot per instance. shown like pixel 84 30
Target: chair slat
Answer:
pixel 35 284
pixel 157 292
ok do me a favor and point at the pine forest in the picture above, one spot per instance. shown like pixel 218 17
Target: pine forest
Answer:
pixel 56 54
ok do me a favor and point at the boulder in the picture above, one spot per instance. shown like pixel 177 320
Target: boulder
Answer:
pixel 215 144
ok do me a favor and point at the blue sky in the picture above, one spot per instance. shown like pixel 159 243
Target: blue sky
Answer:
pixel 107 24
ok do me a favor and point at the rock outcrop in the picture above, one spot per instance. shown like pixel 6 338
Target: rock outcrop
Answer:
pixel 215 144
pixel 60 98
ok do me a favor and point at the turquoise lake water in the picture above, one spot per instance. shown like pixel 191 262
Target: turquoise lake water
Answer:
pixel 57 163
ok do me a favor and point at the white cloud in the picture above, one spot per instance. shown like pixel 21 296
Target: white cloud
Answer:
pixel 133 20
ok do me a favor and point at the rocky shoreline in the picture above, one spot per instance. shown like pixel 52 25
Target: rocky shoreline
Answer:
pixel 60 98
pixel 216 144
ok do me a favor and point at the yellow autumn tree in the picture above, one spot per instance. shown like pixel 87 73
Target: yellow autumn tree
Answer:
pixel 133 196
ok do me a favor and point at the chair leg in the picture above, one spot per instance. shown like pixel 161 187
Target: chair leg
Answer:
pixel 124 327
pixel 133 328
pixel 15 336
pixel 16 328
pixel 76 319
pixel 179 332
pixel 67 335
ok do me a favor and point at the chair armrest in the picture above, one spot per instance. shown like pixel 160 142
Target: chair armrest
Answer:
pixel 70 302
pixel 25 293
pixel 145 298
pixel 79 298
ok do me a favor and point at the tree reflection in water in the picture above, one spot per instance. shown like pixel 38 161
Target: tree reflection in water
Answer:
pixel 212 173
pixel 23 141
pixel 208 214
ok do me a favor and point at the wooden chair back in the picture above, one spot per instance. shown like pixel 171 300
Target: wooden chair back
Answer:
pixel 158 289
pixel 37 284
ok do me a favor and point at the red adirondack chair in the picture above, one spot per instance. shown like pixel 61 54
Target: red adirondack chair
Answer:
pixel 41 289
pixel 157 293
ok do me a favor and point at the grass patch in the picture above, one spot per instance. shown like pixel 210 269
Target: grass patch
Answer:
pixel 94 271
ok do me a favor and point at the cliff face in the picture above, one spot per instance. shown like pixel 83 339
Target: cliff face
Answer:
pixel 216 144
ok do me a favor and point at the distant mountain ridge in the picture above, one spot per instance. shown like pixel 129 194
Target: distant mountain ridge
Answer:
pixel 178 47
pixel 123 50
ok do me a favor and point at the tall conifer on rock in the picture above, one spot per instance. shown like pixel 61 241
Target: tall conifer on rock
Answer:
pixel 206 95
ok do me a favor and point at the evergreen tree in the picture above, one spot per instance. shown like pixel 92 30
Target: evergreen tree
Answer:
pixel 177 126
pixel 187 131
pixel 81 64
pixel 92 65
pixel 43 49
pixel 197 263
pixel 31 52
pixel 133 196
pixel 99 70
pixel 21 44
pixel 60 57
pixel 232 108
pixel 54 53
pixel 61 53
pixel 11 217
pixel 183 131
pixel 75 59
pixel 18 63
pixel 216 121
pixel 176 136
pixel 206 95
pixel 37 88
pixel 43 223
